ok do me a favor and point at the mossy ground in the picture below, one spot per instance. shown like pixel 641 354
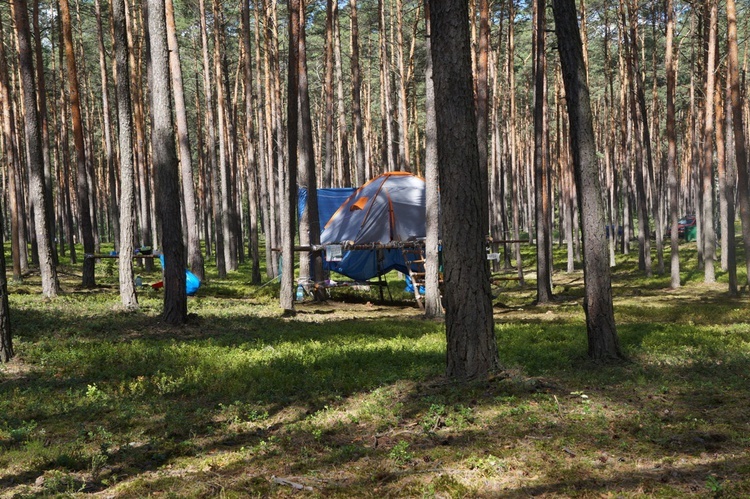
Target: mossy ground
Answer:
pixel 347 398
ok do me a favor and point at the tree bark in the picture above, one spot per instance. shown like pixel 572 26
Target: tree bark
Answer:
pixel 44 123
pixel 309 226
pixel 250 151
pixel 724 184
pixel 330 154
pixel 195 258
pixel 471 350
pixel 743 190
pixel 402 113
pixel 11 159
pixel 482 100
pixel 225 186
pixel 729 194
pixel 65 177
pixel 359 139
pixel 289 176
pixel 515 169
pixel 50 285
pixel 143 171
pixel 543 251
pixel 646 145
pixel 344 165
pixel 128 295
pixel 433 306
pixel 83 187
pixel 213 165
pixel 709 233
pixel 6 336
pixel 638 123
pixel 721 167
pixel 604 345
pixel 672 167
pixel 167 185
pixel 388 140
pixel 112 205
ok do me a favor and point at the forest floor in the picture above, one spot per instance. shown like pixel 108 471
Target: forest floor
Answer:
pixel 347 398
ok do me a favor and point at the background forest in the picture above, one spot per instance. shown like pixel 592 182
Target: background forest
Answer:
pixel 351 398
pixel 365 77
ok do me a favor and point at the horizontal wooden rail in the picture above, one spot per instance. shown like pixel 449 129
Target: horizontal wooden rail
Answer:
pixel 90 255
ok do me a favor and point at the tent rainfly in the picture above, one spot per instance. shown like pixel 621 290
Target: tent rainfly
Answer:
pixel 387 209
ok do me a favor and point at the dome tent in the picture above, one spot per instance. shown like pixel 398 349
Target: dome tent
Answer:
pixel 375 223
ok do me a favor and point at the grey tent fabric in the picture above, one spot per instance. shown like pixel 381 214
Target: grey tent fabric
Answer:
pixel 389 208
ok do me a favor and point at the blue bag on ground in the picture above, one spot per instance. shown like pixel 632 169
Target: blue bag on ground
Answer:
pixel 192 283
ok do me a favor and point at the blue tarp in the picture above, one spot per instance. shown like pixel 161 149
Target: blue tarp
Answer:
pixel 329 201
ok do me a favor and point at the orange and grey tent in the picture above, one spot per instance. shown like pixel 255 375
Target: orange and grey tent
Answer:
pixel 387 209
pixel 376 221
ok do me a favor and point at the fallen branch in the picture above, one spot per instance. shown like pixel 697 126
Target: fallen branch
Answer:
pixel 557 403
pixel 289 483
pixel 569 452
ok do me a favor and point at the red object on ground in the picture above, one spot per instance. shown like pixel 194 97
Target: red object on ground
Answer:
pixel 158 285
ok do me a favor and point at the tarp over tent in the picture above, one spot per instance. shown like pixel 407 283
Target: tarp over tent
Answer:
pixel 386 211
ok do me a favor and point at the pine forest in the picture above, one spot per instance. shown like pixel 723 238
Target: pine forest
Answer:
pixel 667 91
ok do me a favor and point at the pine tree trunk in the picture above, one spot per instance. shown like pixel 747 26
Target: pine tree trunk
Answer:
pixel 471 347
pixel 65 177
pixel 359 140
pixel 729 192
pixel 433 306
pixel 252 164
pixel 721 165
pixel 6 336
pixel 543 254
pixel 288 177
pixel 223 171
pixel 112 205
pixel 44 122
pixel 482 101
pixel 212 163
pixel 709 233
pixel 344 165
pixel 388 140
pixel 274 135
pixel 672 167
pixel 327 180
pixel 401 82
pixel 167 187
pixel 11 159
pixel 309 226
pixel 141 160
pixel 645 147
pixel 50 285
pixel 127 167
pixel 263 151
pixel 738 126
pixel 515 168
pixel 195 258
pixel 600 321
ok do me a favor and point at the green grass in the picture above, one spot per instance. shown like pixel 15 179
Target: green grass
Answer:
pixel 347 397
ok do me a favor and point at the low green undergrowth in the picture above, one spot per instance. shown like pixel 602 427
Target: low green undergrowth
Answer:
pixel 347 398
